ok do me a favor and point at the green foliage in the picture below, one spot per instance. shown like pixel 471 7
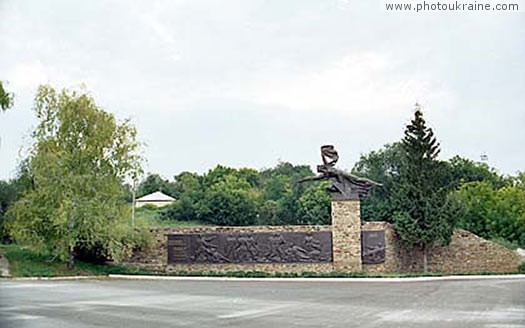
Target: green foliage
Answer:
pixel 6 98
pixel 228 196
pixel 425 216
pixel 149 207
pixel 521 268
pixel 77 165
pixel 25 263
pixel 472 188
pixel 462 170
pixel 189 191
pixel 493 213
pixel 281 191
pixel 315 205
pixel 185 209
pixel 153 183
pixel 217 174
pixel 8 195
pixel 384 167
pixel 152 219
pixel 519 180
pixel 10 192
pixel 146 213
pixel 505 243
pixel 229 201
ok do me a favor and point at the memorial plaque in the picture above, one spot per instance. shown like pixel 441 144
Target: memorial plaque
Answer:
pixel 373 246
pixel 178 248
pixel 278 247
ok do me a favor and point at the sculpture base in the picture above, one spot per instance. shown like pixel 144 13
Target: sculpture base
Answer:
pixel 346 235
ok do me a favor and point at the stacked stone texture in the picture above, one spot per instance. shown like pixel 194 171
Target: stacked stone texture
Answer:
pixel 391 248
pixel 346 235
pixel 467 253
pixel 155 259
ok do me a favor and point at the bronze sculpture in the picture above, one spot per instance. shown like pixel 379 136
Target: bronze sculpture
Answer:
pixel 344 186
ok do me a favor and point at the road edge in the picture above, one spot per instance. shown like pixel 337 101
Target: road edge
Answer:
pixel 270 279
pixel 55 278
pixel 408 279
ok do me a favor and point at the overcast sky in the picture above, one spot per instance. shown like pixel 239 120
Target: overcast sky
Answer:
pixel 250 83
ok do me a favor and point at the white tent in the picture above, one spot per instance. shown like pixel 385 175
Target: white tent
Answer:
pixel 157 198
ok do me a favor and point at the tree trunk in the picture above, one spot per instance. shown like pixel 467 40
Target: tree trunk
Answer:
pixel 425 262
pixel 71 248
pixel 71 259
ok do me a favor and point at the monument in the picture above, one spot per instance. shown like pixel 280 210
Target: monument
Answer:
pixel 347 190
pixel 347 245
pixel 344 186
pixel 342 246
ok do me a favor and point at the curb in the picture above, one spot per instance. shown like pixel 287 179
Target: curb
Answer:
pixel 57 278
pixel 236 279
pixel 414 279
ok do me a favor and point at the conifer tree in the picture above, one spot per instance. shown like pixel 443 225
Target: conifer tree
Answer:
pixel 424 217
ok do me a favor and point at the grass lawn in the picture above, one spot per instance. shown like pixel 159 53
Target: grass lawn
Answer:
pixel 151 216
pixel 24 263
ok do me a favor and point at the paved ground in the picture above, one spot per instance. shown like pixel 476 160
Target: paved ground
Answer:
pixel 128 303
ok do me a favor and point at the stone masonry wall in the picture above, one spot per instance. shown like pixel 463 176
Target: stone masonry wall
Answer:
pixel 391 249
pixel 346 235
pixel 467 253
pixel 155 259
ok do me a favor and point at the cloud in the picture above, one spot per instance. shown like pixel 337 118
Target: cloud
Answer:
pixel 26 75
pixel 355 84
pixel 161 32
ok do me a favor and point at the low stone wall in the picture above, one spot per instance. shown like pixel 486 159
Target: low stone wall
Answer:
pixel 391 263
pixel 467 253
pixel 346 235
pixel 155 259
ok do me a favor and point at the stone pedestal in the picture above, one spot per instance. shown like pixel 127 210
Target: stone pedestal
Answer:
pixel 346 235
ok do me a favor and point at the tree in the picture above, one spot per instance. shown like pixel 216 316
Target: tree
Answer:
pixel 229 201
pixel 6 98
pixel 78 162
pixel 188 191
pixel 153 183
pixel 8 195
pixel 230 196
pixel 11 191
pixel 462 170
pixel 497 214
pixel 315 205
pixel 281 191
pixel 383 166
pixel 424 216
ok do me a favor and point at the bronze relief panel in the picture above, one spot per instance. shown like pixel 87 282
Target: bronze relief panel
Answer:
pixel 373 246
pixel 279 247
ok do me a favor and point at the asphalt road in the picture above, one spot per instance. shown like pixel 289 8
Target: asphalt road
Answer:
pixel 129 303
